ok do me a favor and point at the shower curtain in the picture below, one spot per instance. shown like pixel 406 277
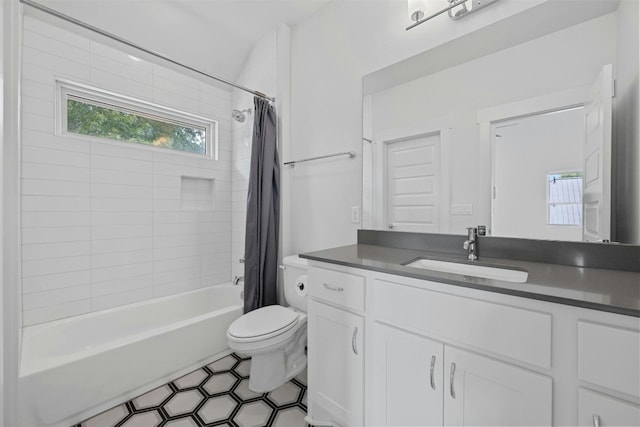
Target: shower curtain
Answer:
pixel 263 198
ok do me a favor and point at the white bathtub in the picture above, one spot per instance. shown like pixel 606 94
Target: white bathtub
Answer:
pixel 74 368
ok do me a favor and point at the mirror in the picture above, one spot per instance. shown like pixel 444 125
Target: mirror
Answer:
pixel 493 140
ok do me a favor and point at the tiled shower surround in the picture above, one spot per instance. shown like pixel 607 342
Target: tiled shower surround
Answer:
pixel 214 395
pixel 104 224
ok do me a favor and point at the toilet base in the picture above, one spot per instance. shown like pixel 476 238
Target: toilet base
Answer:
pixel 268 371
pixel 272 369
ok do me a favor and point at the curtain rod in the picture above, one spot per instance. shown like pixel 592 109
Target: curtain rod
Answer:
pixel 97 30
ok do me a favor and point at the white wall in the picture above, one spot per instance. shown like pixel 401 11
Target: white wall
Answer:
pixel 11 290
pixel 102 224
pixel 331 51
pixel 562 60
pixel 626 125
pixel 2 299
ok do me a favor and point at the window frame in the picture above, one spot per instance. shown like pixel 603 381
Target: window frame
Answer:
pixel 66 90
pixel 548 197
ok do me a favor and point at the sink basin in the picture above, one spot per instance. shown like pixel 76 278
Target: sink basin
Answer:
pixel 494 273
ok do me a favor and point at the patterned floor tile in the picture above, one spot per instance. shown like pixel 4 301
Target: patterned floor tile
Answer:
pixel 243 392
pixel 243 368
pixel 153 398
pixel 253 414
pixel 217 409
pixel 214 395
pixel 144 419
pixel 224 364
pixel 285 395
pixel 108 418
pixel 220 383
pixel 183 402
pixel 191 380
pixel 290 417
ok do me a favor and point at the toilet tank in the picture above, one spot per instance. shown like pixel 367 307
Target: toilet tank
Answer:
pixel 295 282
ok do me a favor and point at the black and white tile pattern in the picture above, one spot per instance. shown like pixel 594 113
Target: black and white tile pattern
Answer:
pixel 214 395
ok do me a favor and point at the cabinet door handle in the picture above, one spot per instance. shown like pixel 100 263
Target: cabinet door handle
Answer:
pixel 331 288
pixel 353 341
pixel 596 420
pixel 431 368
pixel 451 375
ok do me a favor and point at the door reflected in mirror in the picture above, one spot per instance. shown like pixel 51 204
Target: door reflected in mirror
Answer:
pixel 537 176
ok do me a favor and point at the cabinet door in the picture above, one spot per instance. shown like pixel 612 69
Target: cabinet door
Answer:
pixel 484 391
pixel 407 384
pixel 595 409
pixel 335 352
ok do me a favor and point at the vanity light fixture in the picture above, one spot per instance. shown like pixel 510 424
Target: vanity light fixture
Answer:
pixel 456 9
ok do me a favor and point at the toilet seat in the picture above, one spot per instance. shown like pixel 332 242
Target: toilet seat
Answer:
pixel 263 323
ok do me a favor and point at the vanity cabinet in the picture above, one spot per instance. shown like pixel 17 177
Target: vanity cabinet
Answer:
pixel 389 350
pixel 609 362
pixel 421 382
pixel 407 385
pixel 597 409
pixel 481 391
pixel 335 349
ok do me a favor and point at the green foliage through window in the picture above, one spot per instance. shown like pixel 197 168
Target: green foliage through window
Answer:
pixel 105 121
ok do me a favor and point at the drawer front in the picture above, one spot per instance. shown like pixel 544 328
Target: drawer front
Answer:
pixel 608 410
pixel 516 333
pixel 608 356
pixel 343 289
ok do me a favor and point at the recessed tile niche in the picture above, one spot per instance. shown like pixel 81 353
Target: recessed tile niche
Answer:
pixel 197 194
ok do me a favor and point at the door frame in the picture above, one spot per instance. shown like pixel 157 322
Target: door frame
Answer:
pixel 380 141
pixel 488 117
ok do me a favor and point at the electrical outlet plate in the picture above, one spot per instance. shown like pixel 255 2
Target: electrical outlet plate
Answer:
pixel 355 214
pixel 462 209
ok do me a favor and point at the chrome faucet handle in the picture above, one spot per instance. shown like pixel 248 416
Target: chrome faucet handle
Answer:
pixel 472 232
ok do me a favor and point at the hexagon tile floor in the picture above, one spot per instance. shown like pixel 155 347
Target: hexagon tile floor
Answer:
pixel 214 395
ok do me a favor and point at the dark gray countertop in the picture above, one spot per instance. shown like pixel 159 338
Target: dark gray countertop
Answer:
pixel 594 288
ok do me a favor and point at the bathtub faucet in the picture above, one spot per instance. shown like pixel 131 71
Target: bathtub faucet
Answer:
pixel 237 279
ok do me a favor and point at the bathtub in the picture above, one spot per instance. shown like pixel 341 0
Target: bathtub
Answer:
pixel 74 368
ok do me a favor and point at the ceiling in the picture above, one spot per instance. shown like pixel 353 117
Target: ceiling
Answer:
pixel 215 36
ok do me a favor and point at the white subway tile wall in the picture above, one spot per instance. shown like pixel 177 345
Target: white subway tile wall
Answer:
pixel 102 224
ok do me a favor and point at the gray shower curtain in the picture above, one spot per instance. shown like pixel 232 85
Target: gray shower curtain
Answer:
pixel 263 199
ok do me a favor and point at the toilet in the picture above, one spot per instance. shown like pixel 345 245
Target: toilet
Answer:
pixel 275 336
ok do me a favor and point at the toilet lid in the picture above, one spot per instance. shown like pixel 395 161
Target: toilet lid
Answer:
pixel 270 320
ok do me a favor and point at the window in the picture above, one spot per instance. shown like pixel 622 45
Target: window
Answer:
pixel 565 198
pixel 98 114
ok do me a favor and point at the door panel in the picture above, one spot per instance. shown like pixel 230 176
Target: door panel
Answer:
pixel 597 160
pixel 336 366
pixel 480 391
pixel 413 184
pixel 405 391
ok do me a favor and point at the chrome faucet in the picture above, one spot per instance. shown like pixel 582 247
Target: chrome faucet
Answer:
pixel 471 244
pixel 237 279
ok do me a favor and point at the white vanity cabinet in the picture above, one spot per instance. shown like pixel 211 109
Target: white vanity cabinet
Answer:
pixel 445 355
pixel 407 384
pixel 335 348
pixel 472 389
pixel 417 381
pixel 482 391
pixel 609 362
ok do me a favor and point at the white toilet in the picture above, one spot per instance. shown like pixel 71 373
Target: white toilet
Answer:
pixel 275 336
